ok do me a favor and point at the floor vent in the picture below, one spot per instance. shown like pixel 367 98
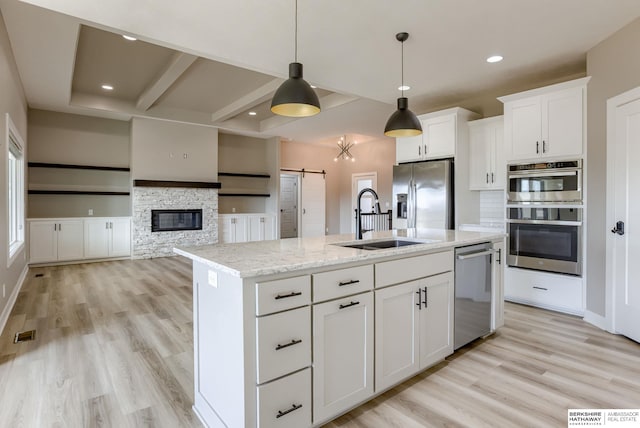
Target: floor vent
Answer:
pixel 24 336
pixel 39 275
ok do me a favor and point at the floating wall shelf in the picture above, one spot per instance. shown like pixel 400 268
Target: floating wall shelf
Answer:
pixel 68 166
pixel 76 192
pixel 239 174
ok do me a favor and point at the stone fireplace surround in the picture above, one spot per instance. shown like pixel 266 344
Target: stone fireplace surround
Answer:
pixel 147 244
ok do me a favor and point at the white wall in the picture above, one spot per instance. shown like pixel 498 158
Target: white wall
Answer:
pixel 12 101
pixel 173 151
pixel 614 67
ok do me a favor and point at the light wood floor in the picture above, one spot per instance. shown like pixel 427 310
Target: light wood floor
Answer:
pixel 114 348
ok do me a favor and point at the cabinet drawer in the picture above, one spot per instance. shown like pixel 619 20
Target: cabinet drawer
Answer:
pixel 343 282
pixel 557 292
pixel 403 270
pixel 286 402
pixel 284 343
pixel 283 294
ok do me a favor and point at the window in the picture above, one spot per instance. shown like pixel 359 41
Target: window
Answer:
pixel 15 193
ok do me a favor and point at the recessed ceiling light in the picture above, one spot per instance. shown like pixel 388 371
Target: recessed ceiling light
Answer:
pixel 130 38
pixel 252 113
pixel 494 58
pixel 404 88
pixel 107 87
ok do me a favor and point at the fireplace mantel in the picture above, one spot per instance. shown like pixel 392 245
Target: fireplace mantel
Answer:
pixel 185 184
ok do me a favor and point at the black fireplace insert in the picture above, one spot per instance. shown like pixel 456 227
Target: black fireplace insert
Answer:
pixel 172 220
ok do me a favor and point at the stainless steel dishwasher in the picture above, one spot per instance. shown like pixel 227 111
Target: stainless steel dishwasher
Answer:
pixel 473 279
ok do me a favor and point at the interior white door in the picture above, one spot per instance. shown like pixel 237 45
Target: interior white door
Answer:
pixel 288 206
pixel 623 179
pixel 313 201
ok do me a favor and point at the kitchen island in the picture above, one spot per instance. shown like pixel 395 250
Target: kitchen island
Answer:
pixel 286 332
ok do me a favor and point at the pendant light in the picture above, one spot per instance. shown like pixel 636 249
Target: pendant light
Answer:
pixel 402 123
pixel 295 97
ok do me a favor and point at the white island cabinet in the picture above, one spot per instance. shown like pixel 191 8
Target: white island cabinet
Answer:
pixel 285 338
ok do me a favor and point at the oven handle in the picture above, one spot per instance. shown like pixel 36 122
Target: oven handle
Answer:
pixel 476 254
pixel 549 222
pixel 539 173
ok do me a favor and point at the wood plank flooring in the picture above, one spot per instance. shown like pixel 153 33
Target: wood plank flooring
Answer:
pixel 114 348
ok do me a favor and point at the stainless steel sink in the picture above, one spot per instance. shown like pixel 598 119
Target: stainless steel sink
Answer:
pixel 380 245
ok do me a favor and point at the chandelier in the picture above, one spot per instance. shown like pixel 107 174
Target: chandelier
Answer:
pixel 344 147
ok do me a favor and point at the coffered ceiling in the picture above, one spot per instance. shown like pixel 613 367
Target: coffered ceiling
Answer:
pixel 212 62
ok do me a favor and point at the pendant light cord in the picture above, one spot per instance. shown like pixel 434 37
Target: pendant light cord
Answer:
pixel 401 68
pixel 296 34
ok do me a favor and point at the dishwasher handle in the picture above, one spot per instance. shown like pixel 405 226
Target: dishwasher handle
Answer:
pixel 476 254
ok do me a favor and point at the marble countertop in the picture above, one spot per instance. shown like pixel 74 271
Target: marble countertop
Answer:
pixel 262 258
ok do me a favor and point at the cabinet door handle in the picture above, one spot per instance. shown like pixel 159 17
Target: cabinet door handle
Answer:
pixel 487 178
pixel 110 225
pixel 348 305
pixel 425 298
pixel 292 294
pixel 544 146
pixel 419 150
pixel 59 227
pixel 293 408
pixel 419 293
pixel 353 281
pixel 540 288
pixel 499 259
pixel 492 180
pixel 55 227
pixel 537 147
pixel 286 345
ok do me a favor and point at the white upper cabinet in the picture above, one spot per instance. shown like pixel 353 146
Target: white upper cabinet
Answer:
pixel 546 123
pixel 439 138
pixel 487 167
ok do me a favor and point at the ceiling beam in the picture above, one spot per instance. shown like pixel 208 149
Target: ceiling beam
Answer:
pixel 245 102
pixel 179 63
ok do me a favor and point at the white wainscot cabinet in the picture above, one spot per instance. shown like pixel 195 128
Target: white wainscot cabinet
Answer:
pixel 54 240
pixel 547 122
pixel 246 227
pixel 414 320
pixel 487 166
pixel 439 136
pixel 107 237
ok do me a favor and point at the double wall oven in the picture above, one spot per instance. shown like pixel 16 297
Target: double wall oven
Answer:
pixel 544 216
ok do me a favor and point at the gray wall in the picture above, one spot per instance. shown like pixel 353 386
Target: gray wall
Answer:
pixel 614 67
pixel 241 154
pixel 79 140
pixel 164 150
pixel 12 101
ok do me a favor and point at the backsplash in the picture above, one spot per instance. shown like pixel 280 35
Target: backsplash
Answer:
pixel 492 206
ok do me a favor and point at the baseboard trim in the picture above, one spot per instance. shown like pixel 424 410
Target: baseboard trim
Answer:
pixel 597 320
pixel 4 316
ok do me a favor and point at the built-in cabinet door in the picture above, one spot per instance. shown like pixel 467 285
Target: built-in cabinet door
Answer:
pixel 96 238
pixel 499 164
pixel 436 319
pixel 397 333
pixel 261 228
pixel 43 242
pixel 562 123
pixel 233 229
pixel 409 149
pixel 120 239
pixel 70 240
pixel 497 300
pixel 523 128
pixel 480 154
pixel 342 354
pixel 440 137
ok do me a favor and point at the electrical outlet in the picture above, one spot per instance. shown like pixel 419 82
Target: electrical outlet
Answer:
pixel 233 210
pixel 90 211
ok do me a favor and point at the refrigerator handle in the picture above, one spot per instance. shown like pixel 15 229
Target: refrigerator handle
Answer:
pixel 411 206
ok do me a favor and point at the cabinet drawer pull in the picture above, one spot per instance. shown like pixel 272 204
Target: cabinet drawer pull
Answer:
pixel 292 294
pixel 349 305
pixel 425 298
pixel 419 293
pixel 540 288
pixel 293 408
pixel 353 281
pixel 286 345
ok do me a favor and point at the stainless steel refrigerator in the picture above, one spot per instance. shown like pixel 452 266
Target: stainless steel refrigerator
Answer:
pixel 423 195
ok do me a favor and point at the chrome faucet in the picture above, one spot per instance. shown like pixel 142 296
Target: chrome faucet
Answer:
pixel 359 230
